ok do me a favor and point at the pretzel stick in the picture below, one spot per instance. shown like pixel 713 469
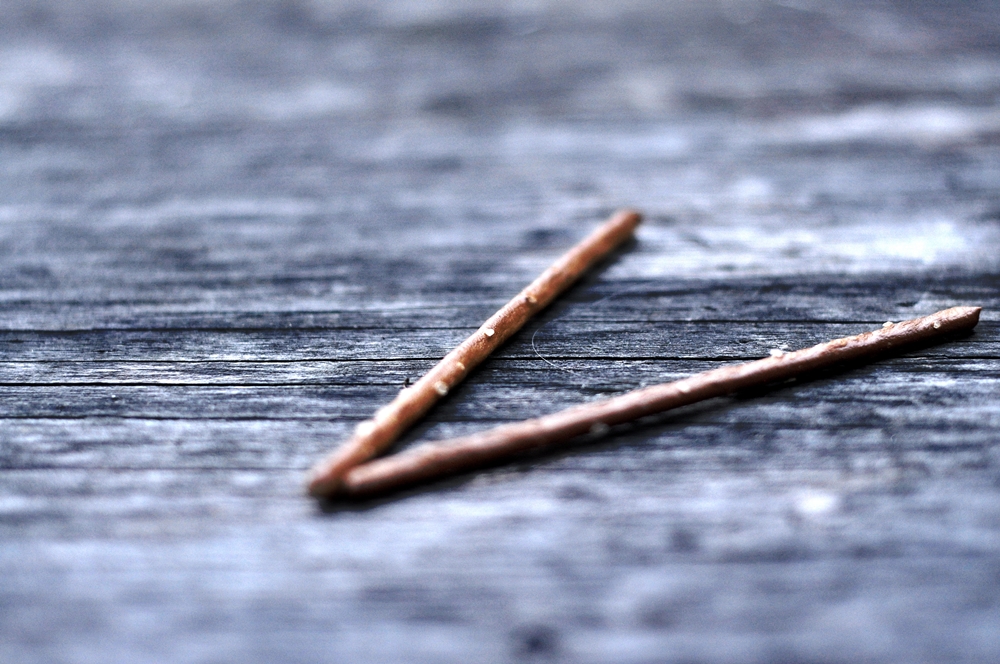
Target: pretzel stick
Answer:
pixel 374 435
pixel 435 460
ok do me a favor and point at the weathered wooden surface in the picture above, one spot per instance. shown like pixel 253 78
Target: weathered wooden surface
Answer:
pixel 230 232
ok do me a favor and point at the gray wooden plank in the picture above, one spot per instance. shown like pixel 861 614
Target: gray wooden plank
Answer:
pixel 230 230
pixel 365 349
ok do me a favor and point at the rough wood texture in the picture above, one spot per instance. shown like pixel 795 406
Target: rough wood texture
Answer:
pixel 377 434
pixel 229 231
pixel 443 459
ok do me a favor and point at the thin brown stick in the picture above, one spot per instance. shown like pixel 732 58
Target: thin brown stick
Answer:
pixel 435 460
pixel 374 435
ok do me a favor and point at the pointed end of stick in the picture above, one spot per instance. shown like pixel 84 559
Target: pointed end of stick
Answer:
pixel 617 229
pixel 326 479
pixel 627 218
pixel 323 482
pixel 973 313
pixel 965 317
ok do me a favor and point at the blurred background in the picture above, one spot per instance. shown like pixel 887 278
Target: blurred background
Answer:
pixel 369 113
pixel 230 229
pixel 122 62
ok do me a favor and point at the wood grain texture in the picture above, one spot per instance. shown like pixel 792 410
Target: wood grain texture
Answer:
pixel 378 434
pixel 230 231
pixel 437 461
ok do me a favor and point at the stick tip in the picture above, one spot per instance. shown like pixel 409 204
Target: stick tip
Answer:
pixel 970 315
pixel 628 217
pixel 974 311
pixel 323 482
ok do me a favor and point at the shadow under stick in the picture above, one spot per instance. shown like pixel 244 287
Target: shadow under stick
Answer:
pixel 435 460
pixel 375 435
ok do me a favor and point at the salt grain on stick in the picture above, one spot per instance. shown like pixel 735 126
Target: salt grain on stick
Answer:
pixel 375 435
pixel 436 460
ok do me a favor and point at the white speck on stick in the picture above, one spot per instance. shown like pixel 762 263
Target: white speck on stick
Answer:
pixel 441 458
pixel 327 476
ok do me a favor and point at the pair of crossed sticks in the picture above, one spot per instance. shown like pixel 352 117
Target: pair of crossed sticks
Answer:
pixel 349 472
